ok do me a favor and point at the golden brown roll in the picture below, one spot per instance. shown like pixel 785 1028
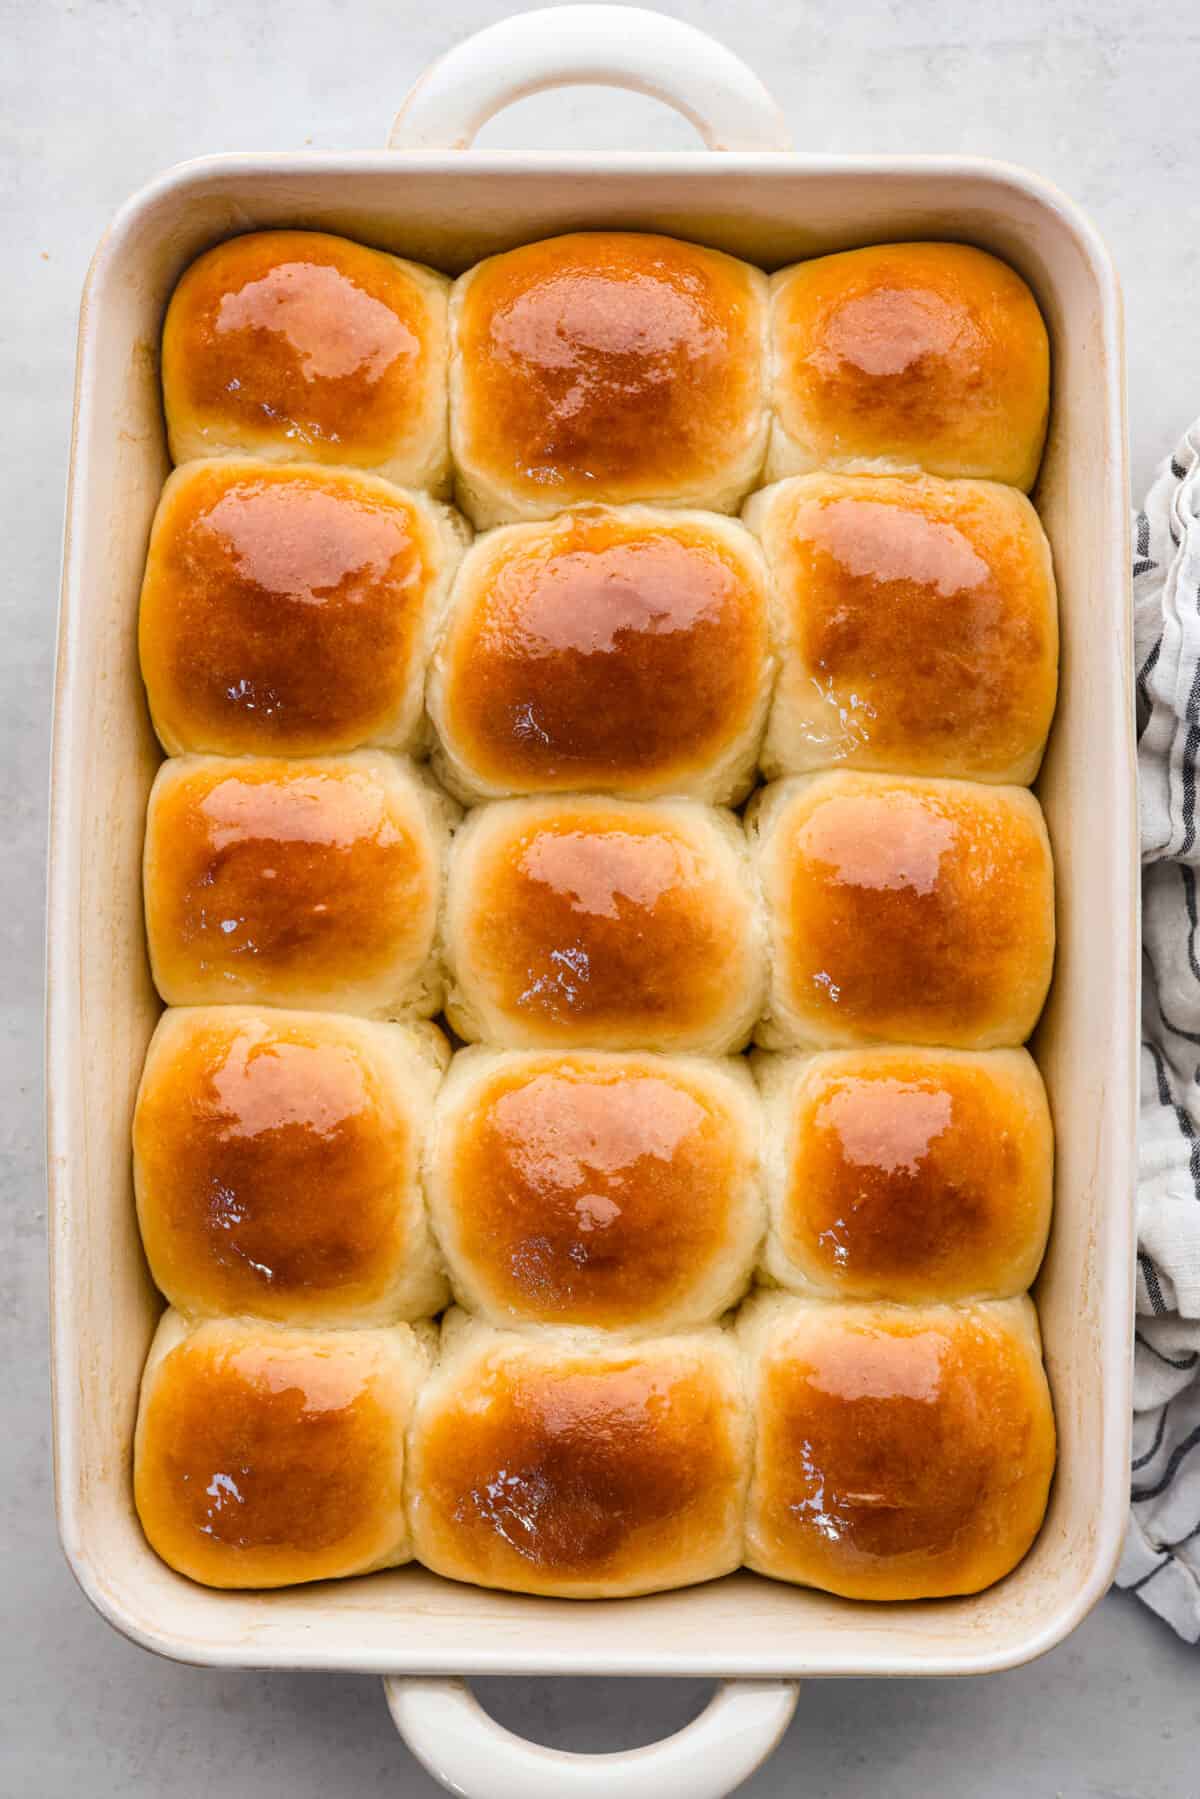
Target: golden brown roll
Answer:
pixel 291 610
pixel 906 1174
pixel 608 924
pixel 622 651
pixel 606 366
pixel 903 910
pixel 908 356
pixel 560 1464
pixel 311 884
pixel 294 346
pixel 607 1190
pixel 265 1456
pixel 918 626
pixel 900 1452
pixel 277 1165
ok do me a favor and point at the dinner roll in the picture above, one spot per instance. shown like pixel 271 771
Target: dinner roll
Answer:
pixel 620 651
pixel 908 910
pixel 277 1165
pixel 311 884
pixel 291 610
pixel 900 1452
pixel 918 622
pixel 562 1464
pixel 608 924
pixel 906 1174
pixel 265 1456
pixel 620 1191
pixel 294 346
pixel 606 366
pixel 908 356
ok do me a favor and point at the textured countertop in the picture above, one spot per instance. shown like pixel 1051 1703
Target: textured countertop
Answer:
pixel 97 96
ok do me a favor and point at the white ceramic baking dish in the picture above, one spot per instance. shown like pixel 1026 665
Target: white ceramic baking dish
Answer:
pixel 430 197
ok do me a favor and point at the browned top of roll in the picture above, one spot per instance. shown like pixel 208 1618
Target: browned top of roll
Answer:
pixel 283 609
pixel 603 651
pixel 266 1458
pixel 262 875
pixel 561 1472
pixel 926 355
pixel 918 1174
pixel 594 1191
pixel 302 337
pixel 620 925
pixel 609 366
pixel 925 612
pixel 273 1163
pixel 900 1457
pixel 916 911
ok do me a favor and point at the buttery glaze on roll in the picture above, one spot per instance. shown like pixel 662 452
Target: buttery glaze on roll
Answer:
pixel 900 1452
pixel 918 627
pixel 606 366
pixel 606 1190
pixel 908 356
pixel 294 346
pixel 914 1175
pixel 558 1464
pixel 622 651
pixel 291 610
pixel 609 924
pixel 277 1165
pixel 312 883
pixel 903 910
pixel 264 1456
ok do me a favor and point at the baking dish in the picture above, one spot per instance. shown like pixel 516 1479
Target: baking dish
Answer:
pixel 430 197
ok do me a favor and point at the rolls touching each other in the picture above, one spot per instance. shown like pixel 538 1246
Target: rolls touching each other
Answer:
pixel 704 1310
pixel 875 1451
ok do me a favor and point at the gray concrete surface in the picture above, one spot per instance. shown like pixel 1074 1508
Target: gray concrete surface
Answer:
pixel 96 96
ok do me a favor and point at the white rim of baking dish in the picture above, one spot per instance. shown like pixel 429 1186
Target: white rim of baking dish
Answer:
pixel 628 47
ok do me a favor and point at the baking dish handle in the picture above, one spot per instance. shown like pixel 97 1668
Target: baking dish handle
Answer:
pixel 470 1754
pixel 604 46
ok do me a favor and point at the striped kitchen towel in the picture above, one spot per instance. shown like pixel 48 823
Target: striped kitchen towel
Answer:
pixel 1161 1562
